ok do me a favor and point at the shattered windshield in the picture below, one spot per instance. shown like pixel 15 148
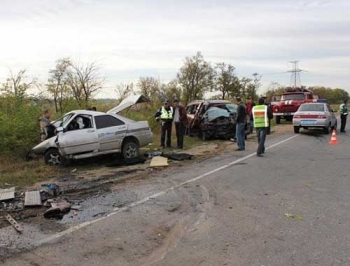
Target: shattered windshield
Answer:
pixel 62 121
pixel 232 108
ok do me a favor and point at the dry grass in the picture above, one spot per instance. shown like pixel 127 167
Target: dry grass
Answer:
pixel 17 172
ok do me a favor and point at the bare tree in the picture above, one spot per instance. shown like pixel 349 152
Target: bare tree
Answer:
pixel 149 87
pixel 124 90
pixel 84 82
pixel 57 82
pixel 16 84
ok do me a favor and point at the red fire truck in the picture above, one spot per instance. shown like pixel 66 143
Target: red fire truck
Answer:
pixel 289 102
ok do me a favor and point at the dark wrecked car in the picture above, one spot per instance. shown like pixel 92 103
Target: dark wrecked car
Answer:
pixel 212 119
pixel 84 134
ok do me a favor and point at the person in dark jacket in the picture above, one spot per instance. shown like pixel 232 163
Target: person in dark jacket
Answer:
pixel 343 110
pixel 165 116
pixel 181 122
pixel 240 124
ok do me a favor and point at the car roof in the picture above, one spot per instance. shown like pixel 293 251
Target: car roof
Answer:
pixel 86 112
pixel 313 103
pixel 209 101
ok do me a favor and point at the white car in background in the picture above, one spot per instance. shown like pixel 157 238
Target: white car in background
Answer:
pixel 316 115
pixel 84 134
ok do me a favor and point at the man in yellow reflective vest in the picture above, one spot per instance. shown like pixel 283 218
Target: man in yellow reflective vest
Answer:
pixel 261 115
pixel 165 115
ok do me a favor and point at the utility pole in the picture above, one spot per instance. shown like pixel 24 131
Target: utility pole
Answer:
pixel 295 76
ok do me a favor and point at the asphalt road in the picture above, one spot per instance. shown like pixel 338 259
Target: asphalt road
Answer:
pixel 291 207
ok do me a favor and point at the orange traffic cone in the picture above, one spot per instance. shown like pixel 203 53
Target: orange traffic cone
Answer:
pixel 333 138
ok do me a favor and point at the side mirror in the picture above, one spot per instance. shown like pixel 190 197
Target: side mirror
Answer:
pixel 60 129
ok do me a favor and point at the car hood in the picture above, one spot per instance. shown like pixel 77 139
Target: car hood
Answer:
pixel 43 146
pixel 128 102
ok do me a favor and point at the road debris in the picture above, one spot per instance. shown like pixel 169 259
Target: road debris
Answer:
pixel 52 189
pixel 178 156
pixel 59 207
pixel 13 223
pixel 151 154
pixel 292 216
pixel 7 194
pixel 32 198
pixel 159 161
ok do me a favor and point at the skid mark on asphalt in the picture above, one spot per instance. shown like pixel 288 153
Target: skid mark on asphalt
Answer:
pixel 156 195
pixel 191 228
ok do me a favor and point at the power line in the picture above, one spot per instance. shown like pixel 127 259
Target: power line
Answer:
pixel 295 80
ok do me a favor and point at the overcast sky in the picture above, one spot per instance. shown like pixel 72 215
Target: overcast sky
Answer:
pixel 133 38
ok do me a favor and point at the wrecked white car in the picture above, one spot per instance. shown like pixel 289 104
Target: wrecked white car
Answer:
pixel 84 134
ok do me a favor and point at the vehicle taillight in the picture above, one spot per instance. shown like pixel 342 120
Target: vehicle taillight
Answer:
pixel 296 116
pixel 322 116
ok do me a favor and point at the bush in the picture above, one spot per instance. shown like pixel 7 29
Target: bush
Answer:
pixel 19 125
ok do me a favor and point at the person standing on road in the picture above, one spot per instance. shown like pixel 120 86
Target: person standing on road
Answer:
pixel 240 123
pixel 181 122
pixel 44 121
pixel 261 115
pixel 165 115
pixel 343 110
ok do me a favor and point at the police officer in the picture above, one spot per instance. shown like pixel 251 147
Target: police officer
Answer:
pixel 261 115
pixel 165 115
pixel 343 110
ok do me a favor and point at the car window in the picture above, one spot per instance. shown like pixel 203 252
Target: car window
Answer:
pixel 103 121
pixel 80 122
pixel 312 107
pixel 192 109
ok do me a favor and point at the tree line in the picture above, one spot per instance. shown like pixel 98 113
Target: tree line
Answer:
pixel 69 80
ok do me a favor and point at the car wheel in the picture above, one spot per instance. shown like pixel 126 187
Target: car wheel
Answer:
pixel 130 150
pixel 326 130
pixel 296 130
pixel 278 120
pixel 53 157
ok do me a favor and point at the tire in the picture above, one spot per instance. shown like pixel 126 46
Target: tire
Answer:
pixel 326 130
pixel 296 130
pixel 278 120
pixel 130 150
pixel 53 157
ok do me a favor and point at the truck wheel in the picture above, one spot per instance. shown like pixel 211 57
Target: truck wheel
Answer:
pixel 130 150
pixel 278 120
pixel 53 157
pixel 296 130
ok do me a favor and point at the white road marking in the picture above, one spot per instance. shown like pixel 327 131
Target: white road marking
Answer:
pixel 156 195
